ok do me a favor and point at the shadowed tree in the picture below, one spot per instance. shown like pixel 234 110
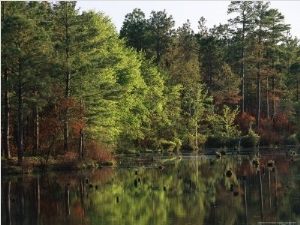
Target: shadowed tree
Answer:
pixel 134 28
pixel 158 34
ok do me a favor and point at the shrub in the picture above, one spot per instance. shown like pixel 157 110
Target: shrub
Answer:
pixel 250 140
pixel 298 136
pixel 167 145
pixel 178 144
pixel 270 137
pixel 98 152
pixel 215 141
pixel 291 140
pixel 70 156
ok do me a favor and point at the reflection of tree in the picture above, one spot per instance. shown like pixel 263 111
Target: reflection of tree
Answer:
pixel 21 200
pixel 6 197
pixel 67 199
pixel 191 192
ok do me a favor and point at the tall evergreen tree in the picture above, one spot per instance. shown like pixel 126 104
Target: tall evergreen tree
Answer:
pixel 26 45
pixel 242 26
pixel 159 34
pixel 181 63
pixel 134 28
pixel 64 37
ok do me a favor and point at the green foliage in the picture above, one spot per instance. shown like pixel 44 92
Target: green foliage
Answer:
pixel 167 145
pixel 224 125
pixel 224 129
pixel 298 136
pixel 69 78
pixel 250 140
pixel 226 87
pixel 292 140
pixel 134 29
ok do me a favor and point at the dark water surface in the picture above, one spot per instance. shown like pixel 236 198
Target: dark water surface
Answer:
pixel 161 189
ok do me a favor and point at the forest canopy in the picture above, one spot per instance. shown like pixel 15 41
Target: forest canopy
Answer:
pixel 71 83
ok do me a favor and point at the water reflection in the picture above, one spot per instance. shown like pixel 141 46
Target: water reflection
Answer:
pixel 191 189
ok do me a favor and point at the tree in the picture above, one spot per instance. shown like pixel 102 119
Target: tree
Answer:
pixel 158 34
pixel 26 48
pixel 210 55
pixel 260 34
pixel 134 28
pixel 182 65
pixel 277 31
pixel 243 24
pixel 64 37
pixel 226 89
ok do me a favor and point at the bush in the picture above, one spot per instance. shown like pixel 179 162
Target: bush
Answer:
pixel 250 140
pixel 291 140
pixel 216 141
pixel 298 136
pixel 167 145
pixel 98 153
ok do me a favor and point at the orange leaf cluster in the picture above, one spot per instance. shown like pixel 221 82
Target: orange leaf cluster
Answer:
pixel 244 120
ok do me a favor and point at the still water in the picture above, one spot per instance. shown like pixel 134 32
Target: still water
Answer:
pixel 193 188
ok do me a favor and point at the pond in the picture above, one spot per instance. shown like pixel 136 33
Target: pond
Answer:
pixel 192 188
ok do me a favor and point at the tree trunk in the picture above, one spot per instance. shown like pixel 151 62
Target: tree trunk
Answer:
pixel 243 69
pixel 5 134
pixel 36 129
pixel 258 97
pixel 20 119
pixel 81 143
pixel 274 99
pixel 267 99
pixel 297 94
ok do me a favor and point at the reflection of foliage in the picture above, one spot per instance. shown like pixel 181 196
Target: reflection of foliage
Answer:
pixel 191 190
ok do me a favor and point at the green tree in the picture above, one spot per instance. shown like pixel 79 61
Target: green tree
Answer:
pixel 224 129
pixel 182 65
pixel 210 54
pixel 243 24
pixel 158 34
pixel 277 31
pixel 134 28
pixel 64 39
pixel 260 35
pixel 26 48
pixel 226 87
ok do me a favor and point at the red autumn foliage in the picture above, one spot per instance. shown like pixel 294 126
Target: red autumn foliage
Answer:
pixel 273 131
pixel 77 126
pixel 244 120
pixel 97 152
pixel 50 129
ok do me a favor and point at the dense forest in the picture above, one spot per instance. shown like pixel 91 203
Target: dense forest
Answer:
pixel 71 83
